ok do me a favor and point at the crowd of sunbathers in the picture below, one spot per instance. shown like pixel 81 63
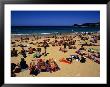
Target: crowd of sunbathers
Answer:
pixel 35 67
pixel 23 52
pixel 50 65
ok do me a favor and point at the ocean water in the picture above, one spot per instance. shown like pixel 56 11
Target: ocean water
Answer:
pixel 49 29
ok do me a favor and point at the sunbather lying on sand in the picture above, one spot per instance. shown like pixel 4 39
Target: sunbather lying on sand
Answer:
pixel 62 49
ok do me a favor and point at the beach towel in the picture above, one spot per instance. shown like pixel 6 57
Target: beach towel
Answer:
pixel 65 61
pixel 37 55
pixel 34 55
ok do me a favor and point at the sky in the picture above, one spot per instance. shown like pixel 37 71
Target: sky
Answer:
pixel 53 18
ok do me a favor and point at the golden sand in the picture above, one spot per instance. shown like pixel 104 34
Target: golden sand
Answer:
pixel 76 69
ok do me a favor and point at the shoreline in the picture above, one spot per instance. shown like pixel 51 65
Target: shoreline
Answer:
pixel 55 34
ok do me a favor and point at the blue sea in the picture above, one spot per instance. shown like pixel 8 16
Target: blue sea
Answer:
pixel 50 29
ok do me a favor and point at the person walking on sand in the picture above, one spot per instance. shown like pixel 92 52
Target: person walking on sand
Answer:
pixel 34 36
pixel 65 44
pixel 45 44
pixel 21 39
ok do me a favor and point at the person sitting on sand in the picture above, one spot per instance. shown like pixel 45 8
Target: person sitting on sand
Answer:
pixel 14 53
pixel 82 48
pixel 41 65
pixel 23 64
pixel 53 65
pixel 83 60
pixel 17 68
pixel 89 55
pixel 78 51
pixel 23 52
pixel 31 65
pixel 95 39
pixel 98 54
pixel 47 65
pixel 30 50
pixel 70 46
pixel 13 65
pixel 74 47
pixel 34 70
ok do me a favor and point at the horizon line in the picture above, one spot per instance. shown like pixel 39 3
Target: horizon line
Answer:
pixel 54 25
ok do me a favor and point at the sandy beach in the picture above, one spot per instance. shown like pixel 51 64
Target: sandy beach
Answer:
pixel 76 69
